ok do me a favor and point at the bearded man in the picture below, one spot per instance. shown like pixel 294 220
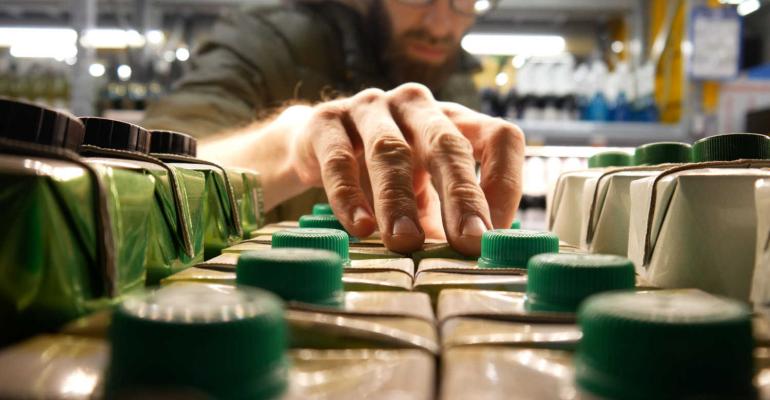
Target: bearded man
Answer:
pixel 369 103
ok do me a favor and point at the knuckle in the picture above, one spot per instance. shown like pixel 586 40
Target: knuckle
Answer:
pixel 328 111
pixel 464 190
pixel 339 159
pixel 390 149
pixel 342 189
pixel 412 91
pixel 449 144
pixel 369 96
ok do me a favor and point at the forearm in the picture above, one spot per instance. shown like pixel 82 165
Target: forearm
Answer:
pixel 265 147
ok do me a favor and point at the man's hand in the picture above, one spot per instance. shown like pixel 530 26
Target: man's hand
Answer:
pixel 403 162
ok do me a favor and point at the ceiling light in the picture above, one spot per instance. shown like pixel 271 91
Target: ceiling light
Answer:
pixel 155 36
pixel 96 70
pixel 182 54
pixel 124 72
pixel 112 38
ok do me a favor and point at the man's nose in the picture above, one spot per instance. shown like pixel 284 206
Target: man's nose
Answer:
pixel 438 20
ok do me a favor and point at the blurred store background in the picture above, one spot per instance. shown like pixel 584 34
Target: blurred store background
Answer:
pixel 577 75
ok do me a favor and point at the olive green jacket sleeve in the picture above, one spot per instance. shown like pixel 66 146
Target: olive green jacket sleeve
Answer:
pixel 253 61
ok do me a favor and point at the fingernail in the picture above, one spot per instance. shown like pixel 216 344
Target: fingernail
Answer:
pixel 405 226
pixel 473 226
pixel 359 214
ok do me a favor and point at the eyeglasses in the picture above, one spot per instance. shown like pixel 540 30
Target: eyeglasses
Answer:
pixel 464 7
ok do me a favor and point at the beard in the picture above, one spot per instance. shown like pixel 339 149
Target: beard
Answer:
pixel 392 50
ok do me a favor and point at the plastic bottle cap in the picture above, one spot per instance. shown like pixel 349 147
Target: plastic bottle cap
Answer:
pixel 732 146
pixel 334 240
pixel 512 248
pixel 306 275
pixel 322 209
pixel 663 153
pixel 117 135
pixel 36 124
pixel 560 282
pixel 320 221
pixel 664 345
pixel 516 224
pixel 222 341
pixel 610 159
pixel 169 142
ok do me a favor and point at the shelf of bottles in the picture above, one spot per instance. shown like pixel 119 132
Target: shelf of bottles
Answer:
pixel 556 102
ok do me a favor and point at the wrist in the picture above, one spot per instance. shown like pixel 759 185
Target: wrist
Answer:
pixel 285 176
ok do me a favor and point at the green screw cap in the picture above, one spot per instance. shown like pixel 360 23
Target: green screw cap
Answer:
pixel 663 153
pixel 306 275
pixel 334 240
pixel 610 159
pixel 223 342
pixel 516 224
pixel 320 221
pixel 664 345
pixel 732 146
pixel 512 248
pixel 322 209
pixel 560 282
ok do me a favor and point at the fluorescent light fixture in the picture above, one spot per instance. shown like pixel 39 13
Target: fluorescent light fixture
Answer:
pixel 512 44
pixel 747 7
pixel 155 36
pixel 501 79
pixel 482 5
pixel 57 43
pixel 182 54
pixel 112 38
pixel 96 70
pixel 41 50
pixel 10 36
pixel 124 72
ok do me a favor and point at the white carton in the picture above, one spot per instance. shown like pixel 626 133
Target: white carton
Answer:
pixel 760 290
pixel 694 226
pixel 565 208
pixel 606 209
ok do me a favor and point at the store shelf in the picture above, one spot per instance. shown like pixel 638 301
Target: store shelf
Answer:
pixel 626 134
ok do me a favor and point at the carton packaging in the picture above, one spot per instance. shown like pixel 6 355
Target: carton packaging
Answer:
pixel 361 275
pixel 362 249
pixel 492 366
pixel 696 228
pixel 695 225
pixel 513 250
pixel 760 290
pixel 565 207
pixel 84 367
pixel 75 370
pixel 174 239
pixel 233 197
pixel 78 229
pixel 606 198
